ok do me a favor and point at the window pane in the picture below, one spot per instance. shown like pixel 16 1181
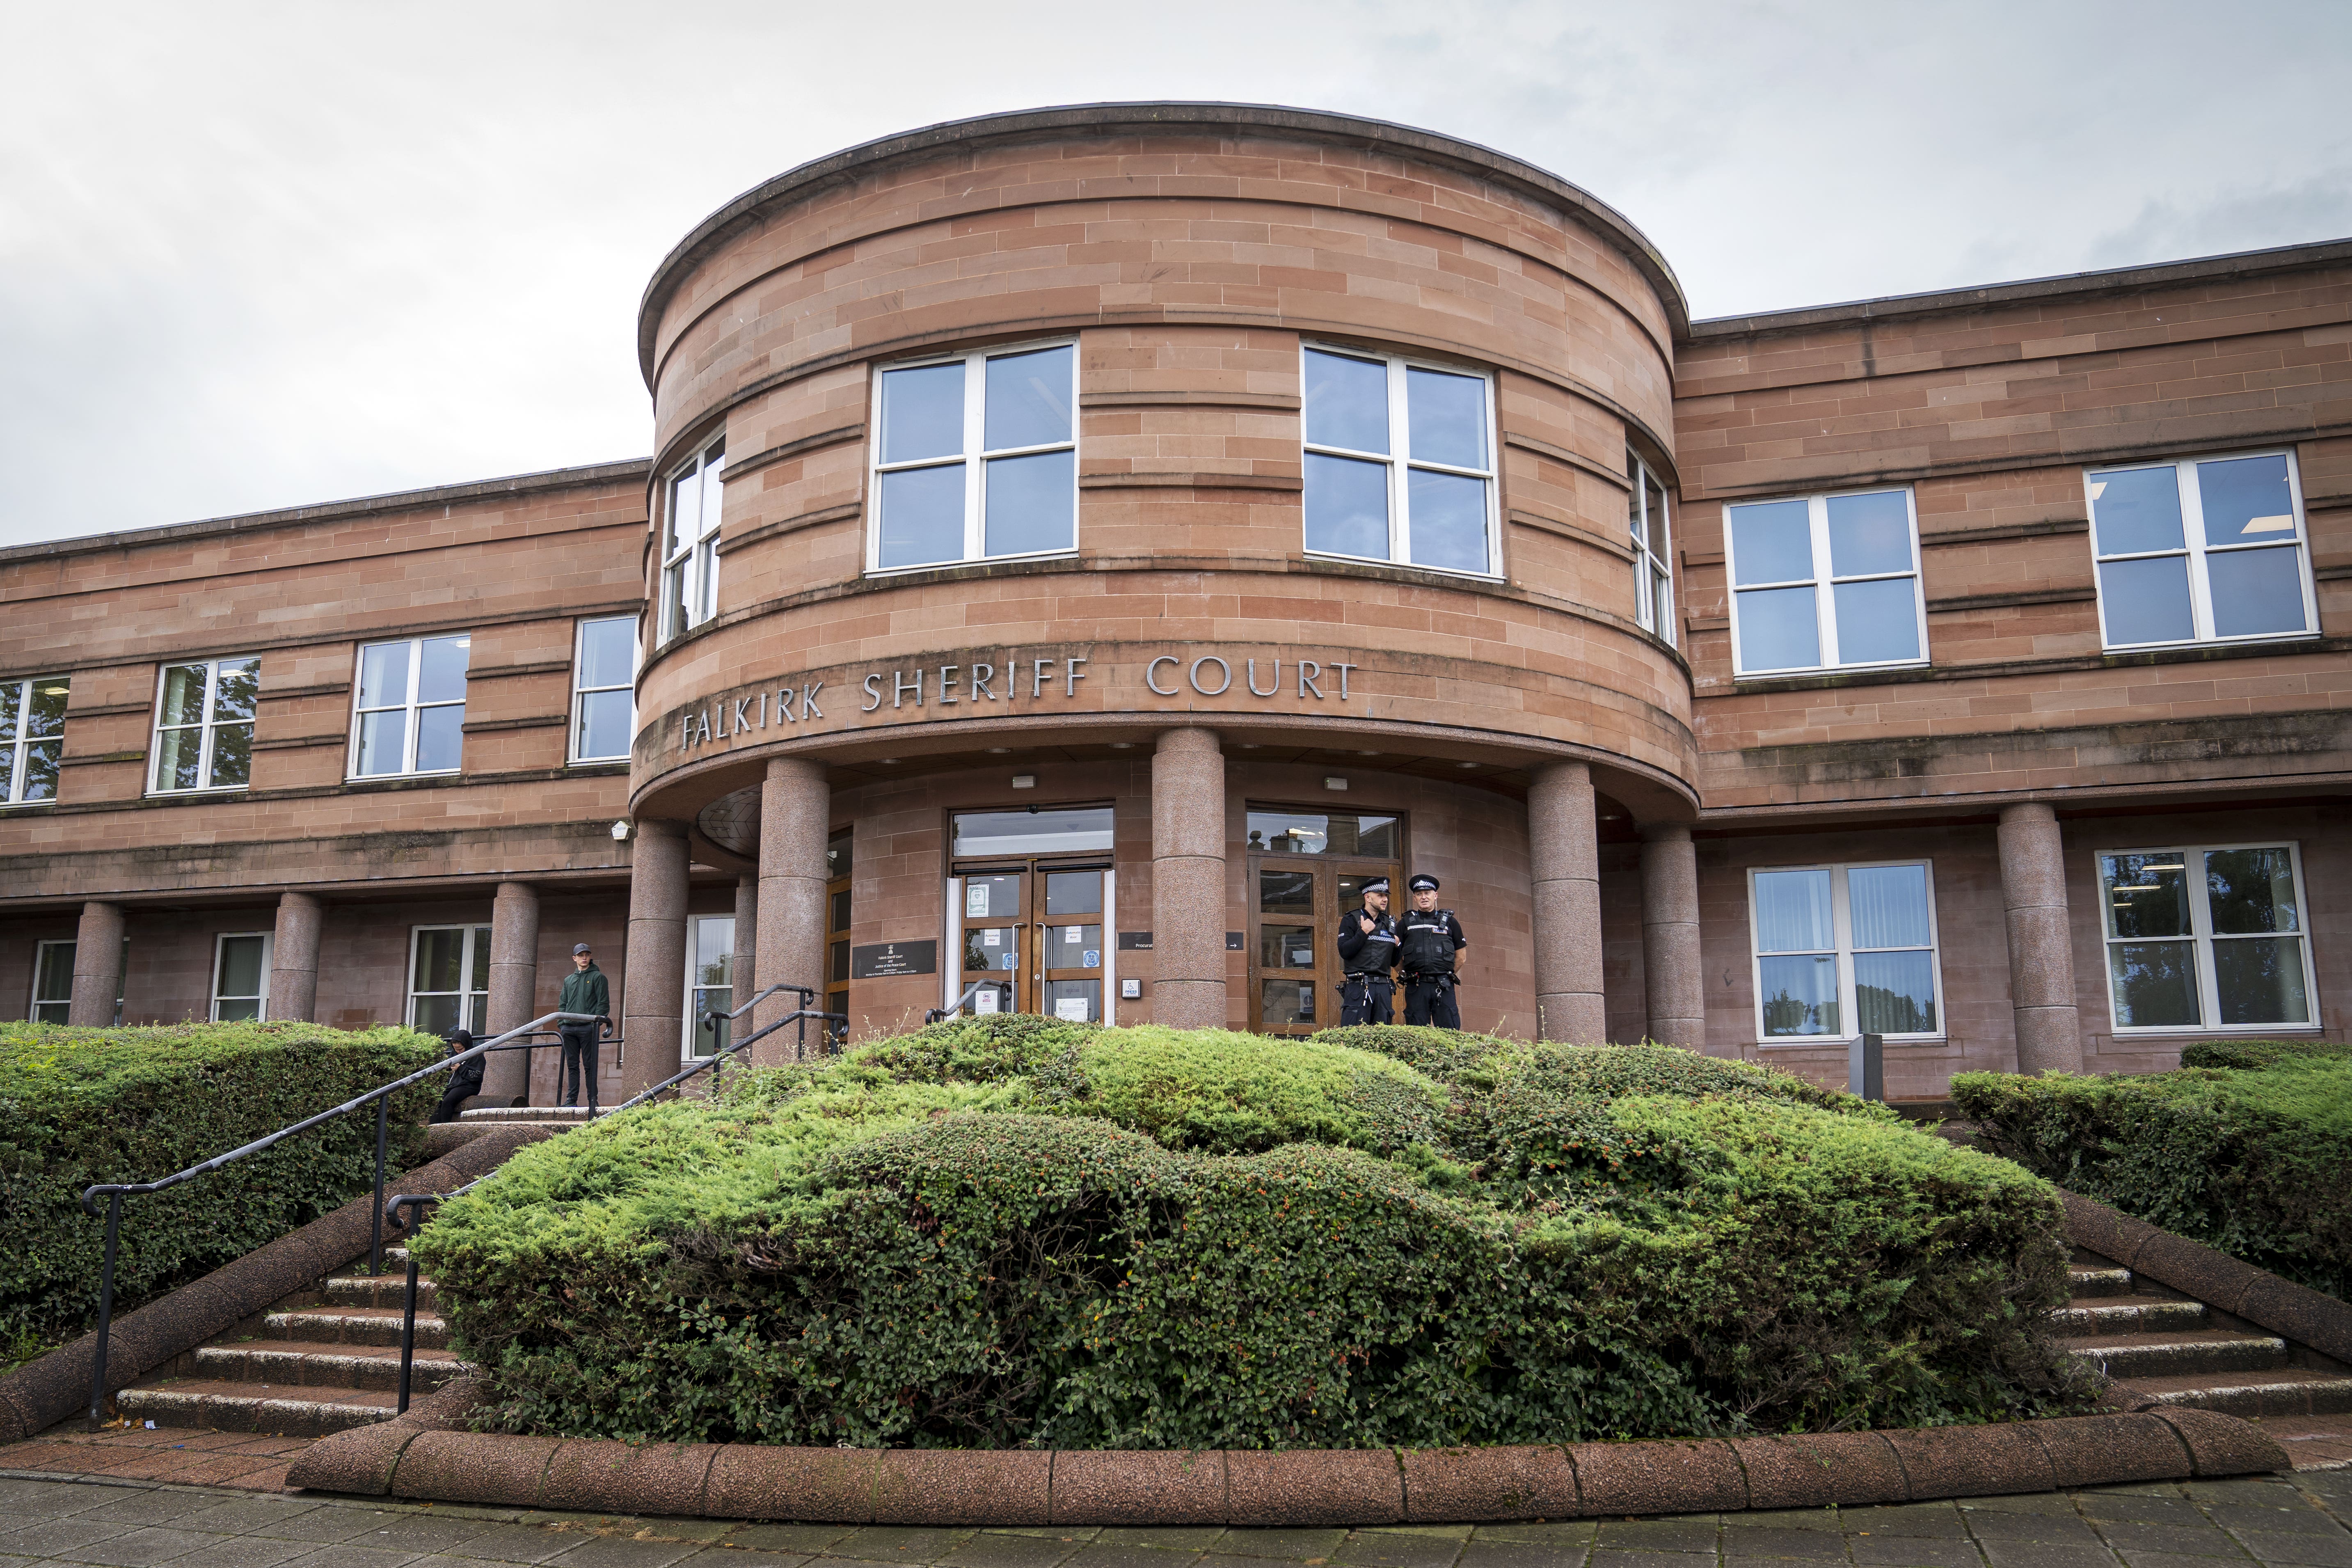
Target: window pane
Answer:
pixel 837 851
pixel 2251 890
pixel 1028 399
pixel 436 1014
pixel 176 758
pixel 2148 893
pixel 1286 946
pixel 2146 601
pixel 1032 832
pixel 1074 892
pixel 239 1011
pixel 1888 905
pixel 2246 499
pixel 1076 999
pixel 839 961
pixel 685 511
pixel 1284 1003
pixel 2154 984
pixel 41 770
pixel 2259 981
pixel 604 724
pixel 2256 591
pixel 381 735
pixel 1449 521
pixel 1657 517
pixel 384 675
pixel 1447 417
pixel 1031 504
pixel 1312 833
pixel 837 914
pixel 2136 509
pixel 440 958
pixel 1286 892
pixel 232 755
pixel 1346 403
pixel 922 413
pixel 1876 621
pixel 439 735
pixel 714 940
pixel 992 947
pixel 236 687
pixel 240 966
pixel 53 980
pixel 1778 629
pixel 1771 543
pixel 1347 505
pixel 47 715
pixel 1634 497
pixel 606 649
pixel 183 694
pixel 705 581
pixel 1074 947
pixel 1869 534
pixel 992 898
pixel 480 980
pixel 1895 993
pixel 674 597
pixel 1792 912
pixel 922 515
pixel 714 475
pixel 1665 591
pixel 443 677
pixel 1799 995
pixel 9 693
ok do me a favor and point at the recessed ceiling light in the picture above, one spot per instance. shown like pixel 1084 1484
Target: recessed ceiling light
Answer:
pixel 1249 745
pixel 999 750
pixel 1122 745
pixel 1368 754
pixel 889 762
pixel 1466 765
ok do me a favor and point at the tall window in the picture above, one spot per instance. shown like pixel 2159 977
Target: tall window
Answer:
pixel 241 976
pixel 2208 550
pixel 1825 582
pixel 449 979
pixel 978 459
pixel 1654 578
pixel 691 514
pixel 710 985
pixel 2207 939
pixel 411 706
pixel 1399 462
pixel 53 967
pixel 204 725
pixel 604 706
pixel 32 738
pixel 1845 949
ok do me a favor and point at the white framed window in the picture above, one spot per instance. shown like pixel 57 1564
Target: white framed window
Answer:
pixel 1400 461
pixel 1653 576
pixel 241 975
pixel 709 985
pixel 449 978
pixel 53 966
pixel 2207 939
pixel 690 518
pixel 1842 951
pixel 603 697
pixel 977 457
pixel 204 725
pixel 411 709
pixel 1825 582
pixel 2205 550
pixel 32 738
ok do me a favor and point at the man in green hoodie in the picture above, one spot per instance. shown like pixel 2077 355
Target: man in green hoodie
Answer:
pixel 585 991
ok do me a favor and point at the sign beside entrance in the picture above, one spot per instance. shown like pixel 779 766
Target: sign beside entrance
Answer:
pixel 882 960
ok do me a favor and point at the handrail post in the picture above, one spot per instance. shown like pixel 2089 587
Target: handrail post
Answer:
pixel 105 1305
pixel 375 1237
pixel 408 1313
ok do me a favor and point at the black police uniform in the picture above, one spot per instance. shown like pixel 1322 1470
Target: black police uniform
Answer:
pixel 1366 953
pixel 1427 944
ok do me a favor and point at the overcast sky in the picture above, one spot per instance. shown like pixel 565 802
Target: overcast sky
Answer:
pixel 256 254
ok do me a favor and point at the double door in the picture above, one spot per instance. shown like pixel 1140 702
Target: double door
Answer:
pixel 1294 911
pixel 1035 930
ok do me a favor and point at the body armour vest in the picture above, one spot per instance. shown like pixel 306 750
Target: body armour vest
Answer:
pixel 1427 941
pixel 1379 951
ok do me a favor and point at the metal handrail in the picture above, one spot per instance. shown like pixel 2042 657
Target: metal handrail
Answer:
pixel 807 993
pixel 975 989
pixel 115 1192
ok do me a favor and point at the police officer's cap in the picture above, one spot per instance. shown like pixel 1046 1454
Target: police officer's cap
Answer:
pixel 1377 885
pixel 1423 883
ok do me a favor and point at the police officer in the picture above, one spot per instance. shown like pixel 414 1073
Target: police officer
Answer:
pixel 1428 938
pixel 1368 946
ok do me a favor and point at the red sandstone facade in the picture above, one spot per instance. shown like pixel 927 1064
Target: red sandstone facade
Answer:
pixel 1038 462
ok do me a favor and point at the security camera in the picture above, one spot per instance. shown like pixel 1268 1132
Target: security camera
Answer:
pixel 620 830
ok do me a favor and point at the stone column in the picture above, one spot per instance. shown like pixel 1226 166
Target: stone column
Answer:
pixel 653 993
pixel 1670 974
pixel 294 957
pixel 747 940
pixel 2041 951
pixel 97 966
pixel 1565 859
pixel 795 814
pixel 1188 880
pixel 514 989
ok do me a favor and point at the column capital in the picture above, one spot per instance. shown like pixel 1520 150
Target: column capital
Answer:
pixel 1666 833
pixel 1189 739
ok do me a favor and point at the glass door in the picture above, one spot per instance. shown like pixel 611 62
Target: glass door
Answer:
pixel 1306 871
pixel 837 926
pixel 1070 953
pixel 1035 929
pixel 995 919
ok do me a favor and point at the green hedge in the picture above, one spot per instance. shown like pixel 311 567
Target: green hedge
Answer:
pixel 2252 1161
pixel 2259 1054
pixel 79 1106
pixel 1005 1233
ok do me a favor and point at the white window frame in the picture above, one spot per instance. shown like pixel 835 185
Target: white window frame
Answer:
pixel 1841 931
pixel 2195 548
pixel 2201 939
pixel 974 457
pixel 1653 575
pixel 579 671
pixel 13 752
pixel 689 573
pixel 693 987
pixel 410 706
pixel 206 722
pixel 1824 582
pixel 269 955
pixel 477 931
pixel 40 956
pixel 1401 462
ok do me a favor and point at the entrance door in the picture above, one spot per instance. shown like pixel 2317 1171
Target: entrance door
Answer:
pixel 1306 871
pixel 1034 928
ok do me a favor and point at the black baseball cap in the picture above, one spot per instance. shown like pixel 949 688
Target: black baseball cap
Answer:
pixel 1423 882
pixel 578 948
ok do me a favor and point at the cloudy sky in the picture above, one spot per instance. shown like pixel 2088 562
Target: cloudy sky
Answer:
pixel 257 255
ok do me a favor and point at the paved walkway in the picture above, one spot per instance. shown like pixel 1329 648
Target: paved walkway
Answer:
pixel 2294 1523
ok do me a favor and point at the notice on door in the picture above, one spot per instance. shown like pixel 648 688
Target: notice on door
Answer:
pixel 975 899
pixel 985 1001
pixel 1073 1008
pixel 882 960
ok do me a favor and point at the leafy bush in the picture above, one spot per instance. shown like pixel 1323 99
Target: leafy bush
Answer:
pixel 1160 1239
pixel 79 1106
pixel 2257 1054
pixel 2253 1163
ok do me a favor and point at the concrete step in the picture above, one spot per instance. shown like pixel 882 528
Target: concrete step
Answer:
pixel 571 1114
pixel 2285 1390
pixel 353 1326
pixel 2126 1315
pixel 2092 1280
pixel 291 1363
pixel 306 1412
pixel 2180 1352
pixel 367 1290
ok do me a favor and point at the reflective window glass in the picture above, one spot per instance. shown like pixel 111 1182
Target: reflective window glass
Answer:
pixel 1446 414
pixel 1061 830
pixel 2209 938
pixel 1028 402
pixel 1771 543
pixel 922 412
pixel 1870 534
pixel 1345 402
pixel 2135 510
pixel 1845 948
pixel 1347 505
pixel 2246 500
pixel 2201 549
pixel 1032 502
pixel 938 498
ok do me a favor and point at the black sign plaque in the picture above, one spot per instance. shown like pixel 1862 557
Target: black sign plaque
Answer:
pixel 883 959
pixel 1135 941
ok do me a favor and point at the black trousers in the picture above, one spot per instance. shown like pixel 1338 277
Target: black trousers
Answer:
pixel 1429 999
pixel 579 1063
pixel 454 1096
pixel 1366 999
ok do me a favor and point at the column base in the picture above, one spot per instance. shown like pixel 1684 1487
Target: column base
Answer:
pixel 1189 1004
pixel 1573 1017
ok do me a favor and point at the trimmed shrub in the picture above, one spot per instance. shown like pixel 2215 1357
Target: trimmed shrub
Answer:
pixel 2257 1163
pixel 79 1106
pixel 967 1256
pixel 2256 1054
